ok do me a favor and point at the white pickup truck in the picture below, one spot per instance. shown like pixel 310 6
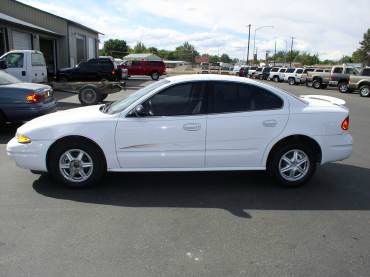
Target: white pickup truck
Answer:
pixel 26 65
pixel 293 75
pixel 276 74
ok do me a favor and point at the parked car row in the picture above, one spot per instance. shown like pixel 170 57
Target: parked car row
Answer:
pixel 345 78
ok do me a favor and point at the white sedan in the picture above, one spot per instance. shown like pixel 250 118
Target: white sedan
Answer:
pixel 189 123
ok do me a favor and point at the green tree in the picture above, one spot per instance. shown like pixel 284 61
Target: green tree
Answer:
pixel 346 59
pixel 225 58
pixel 361 55
pixel 115 47
pixel 186 52
pixel 139 48
pixel 153 50
pixel 214 59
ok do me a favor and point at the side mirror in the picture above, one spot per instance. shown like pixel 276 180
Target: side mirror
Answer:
pixel 3 65
pixel 139 111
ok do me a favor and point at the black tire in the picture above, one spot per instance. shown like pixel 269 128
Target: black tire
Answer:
pixel 343 87
pixel 98 160
pixel 89 95
pixel 365 91
pixel 274 164
pixel 155 76
pixel 291 81
pixel 316 84
pixel 276 79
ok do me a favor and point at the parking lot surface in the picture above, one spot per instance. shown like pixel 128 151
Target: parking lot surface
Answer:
pixel 191 224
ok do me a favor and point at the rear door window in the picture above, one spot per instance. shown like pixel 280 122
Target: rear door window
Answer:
pixel 299 71
pixel 37 59
pixel 338 70
pixel 229 97
pixel 290 70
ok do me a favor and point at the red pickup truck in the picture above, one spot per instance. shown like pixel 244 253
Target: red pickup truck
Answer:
pixel 154 69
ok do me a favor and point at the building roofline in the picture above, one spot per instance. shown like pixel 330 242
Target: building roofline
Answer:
pixel 66 19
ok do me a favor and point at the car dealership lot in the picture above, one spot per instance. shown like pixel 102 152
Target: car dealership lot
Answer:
pixel 190 224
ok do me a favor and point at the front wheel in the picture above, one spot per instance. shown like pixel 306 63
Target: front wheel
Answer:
pixel 365 91
pixel 155 76
pixel 276 79
pixel 343 87
pixel 292 165
pixel 76 163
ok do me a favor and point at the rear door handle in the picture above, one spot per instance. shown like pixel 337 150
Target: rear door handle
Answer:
pixel 191 127
pixel 270 123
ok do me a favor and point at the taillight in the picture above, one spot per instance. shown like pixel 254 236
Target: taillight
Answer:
pixel 113 72
pixel 34 98
pixel 345 124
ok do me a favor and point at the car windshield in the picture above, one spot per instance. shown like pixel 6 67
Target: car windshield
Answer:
pixel 7 79
pixel 121 105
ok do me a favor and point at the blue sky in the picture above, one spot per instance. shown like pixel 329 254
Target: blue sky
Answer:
pixel 218 26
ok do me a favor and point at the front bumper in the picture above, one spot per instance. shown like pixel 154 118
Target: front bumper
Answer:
pixel 29 156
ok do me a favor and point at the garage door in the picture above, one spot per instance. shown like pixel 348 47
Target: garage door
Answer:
pixel 21 41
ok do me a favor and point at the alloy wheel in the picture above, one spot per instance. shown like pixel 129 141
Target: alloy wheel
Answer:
pixel 294 165
pixel 76 165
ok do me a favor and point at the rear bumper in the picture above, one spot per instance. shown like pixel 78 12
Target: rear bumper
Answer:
pixel 335 147
pixel 29 156
pixel 19 113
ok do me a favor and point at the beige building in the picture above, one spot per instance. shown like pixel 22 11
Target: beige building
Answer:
pixel 64 42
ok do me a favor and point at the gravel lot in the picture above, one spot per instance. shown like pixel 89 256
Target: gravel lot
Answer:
pixel 191 224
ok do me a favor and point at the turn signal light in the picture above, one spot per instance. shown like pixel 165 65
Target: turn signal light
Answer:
pixel 23 139
pixel 33 98
pixel 345 124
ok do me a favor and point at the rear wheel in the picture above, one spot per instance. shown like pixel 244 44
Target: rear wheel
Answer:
pixel 291 81
pixel 365 91
pixel 292 165
pixel 155 76
pixel 343 87
pixel 316 84
pixel 275 79
pixel 76 163
pixel 89 95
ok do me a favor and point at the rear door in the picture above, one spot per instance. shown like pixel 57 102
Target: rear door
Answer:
pixel 243 119
pixel 38 68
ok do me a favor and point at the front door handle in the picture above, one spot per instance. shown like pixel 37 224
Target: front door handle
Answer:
pixel 191 127
pixel 270 123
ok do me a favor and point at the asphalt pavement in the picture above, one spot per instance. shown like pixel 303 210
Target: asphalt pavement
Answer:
pixel 190 224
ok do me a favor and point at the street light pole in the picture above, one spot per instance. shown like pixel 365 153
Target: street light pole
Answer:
pixel 255 31
pixel 249 38
pixel 291 52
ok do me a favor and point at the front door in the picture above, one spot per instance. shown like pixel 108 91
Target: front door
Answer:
pixel 17 66
pixel 169 134
pixel 243 120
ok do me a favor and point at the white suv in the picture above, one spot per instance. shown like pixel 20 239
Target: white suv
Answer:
pixel 276 74
pixel 293 75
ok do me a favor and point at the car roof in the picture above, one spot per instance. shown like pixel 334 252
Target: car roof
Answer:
pixel 210 77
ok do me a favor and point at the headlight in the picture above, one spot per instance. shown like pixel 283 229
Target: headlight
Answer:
pixel 23 139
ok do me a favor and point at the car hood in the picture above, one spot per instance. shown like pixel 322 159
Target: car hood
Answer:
pixel 26 86
pixel 74 118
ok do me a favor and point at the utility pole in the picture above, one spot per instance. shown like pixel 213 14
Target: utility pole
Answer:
pixel 291 51
pixel 249 38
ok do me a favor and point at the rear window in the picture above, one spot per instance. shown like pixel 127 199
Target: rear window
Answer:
pixel 290 70
pixel 37 59
pixel 299 71
pixel 319 70
pixel 275 69
pixel 282 70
